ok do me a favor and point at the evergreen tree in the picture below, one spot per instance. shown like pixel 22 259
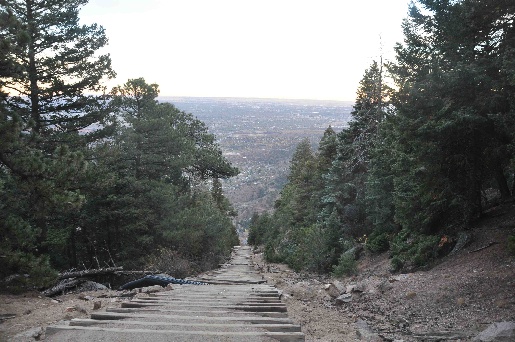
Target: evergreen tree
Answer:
pixel 148 198
pixel 159 141
pixel 47 63
pixel 51 63
pixel 455 113
pixel 345 182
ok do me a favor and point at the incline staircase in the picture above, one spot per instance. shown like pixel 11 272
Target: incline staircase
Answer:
pixel 237 305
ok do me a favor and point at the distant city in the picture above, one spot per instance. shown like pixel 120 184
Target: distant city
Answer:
pixel 259 137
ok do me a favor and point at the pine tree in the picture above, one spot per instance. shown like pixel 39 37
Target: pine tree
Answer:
pixel 47 64
pixel 52 64
pixel 153 195
pixel 455 113
pixel 345 191
pixel 159 141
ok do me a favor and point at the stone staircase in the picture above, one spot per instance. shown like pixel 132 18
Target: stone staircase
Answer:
pixel 237 305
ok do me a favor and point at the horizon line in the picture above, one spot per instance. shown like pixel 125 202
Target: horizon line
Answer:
pixel 254 98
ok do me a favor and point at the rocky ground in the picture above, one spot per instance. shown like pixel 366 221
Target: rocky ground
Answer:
pixel 453 301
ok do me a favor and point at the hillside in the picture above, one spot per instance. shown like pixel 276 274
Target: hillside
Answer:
pixel 455 299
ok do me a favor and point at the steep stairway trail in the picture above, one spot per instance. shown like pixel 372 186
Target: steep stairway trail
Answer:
pixel 236 305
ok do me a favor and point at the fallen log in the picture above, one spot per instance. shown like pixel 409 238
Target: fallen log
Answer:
pixel 136 272
pixel 151 280
pixel 87 273
pixel 62 286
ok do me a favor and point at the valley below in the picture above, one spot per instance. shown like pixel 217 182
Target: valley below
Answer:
pixel 259 137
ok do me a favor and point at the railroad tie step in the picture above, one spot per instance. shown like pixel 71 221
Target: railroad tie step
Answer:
pixel 279 327
pixel 62 333
pixel 237 305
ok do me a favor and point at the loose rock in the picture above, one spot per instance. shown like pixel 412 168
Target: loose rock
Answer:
pixel 332 290
pixel 497 332
pixel 344 298
pixel 365 333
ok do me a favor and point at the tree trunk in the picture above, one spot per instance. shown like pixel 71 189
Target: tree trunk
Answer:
pixel 32 70
pixel 502 183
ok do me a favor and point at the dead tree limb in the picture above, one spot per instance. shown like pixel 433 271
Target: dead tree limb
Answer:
pixel 136 272
pixel 87 273
pixel 484 247
pixel 62 286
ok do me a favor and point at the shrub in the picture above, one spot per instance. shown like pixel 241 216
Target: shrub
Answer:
pixel 511 244
pixel 378 242
pixel 347 266
pixel 412 250
pixel 171 262
pixel 23 271
pixel 397 264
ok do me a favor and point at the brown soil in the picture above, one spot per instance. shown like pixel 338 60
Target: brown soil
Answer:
pixel 452 301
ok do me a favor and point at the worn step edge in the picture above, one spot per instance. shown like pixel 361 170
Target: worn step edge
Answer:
pixel 213 312
pixel 266 308
pixel 281 336
pixel 250 319
pixel 216 305
pixel 241 300
pixel 269 327
pixel 219 291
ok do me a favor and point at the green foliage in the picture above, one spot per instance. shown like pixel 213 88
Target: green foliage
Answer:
pixel 378 242
pixel 21 271
pixel 52 62
pixel 412 162
pixel 411 250
pixel 511 244
pixel 397 264
pixel 347 266
pixel 452 106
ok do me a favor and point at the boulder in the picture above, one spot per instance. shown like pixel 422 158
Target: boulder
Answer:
pixel 344 298
pixel 497 332
pixel 91 286
pixel 151 289
pixel 33 334
pixel 365 333
pixel 339 285
pixel 332 290
pixel 359 287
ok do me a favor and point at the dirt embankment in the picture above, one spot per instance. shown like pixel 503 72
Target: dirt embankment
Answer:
pixel 452 301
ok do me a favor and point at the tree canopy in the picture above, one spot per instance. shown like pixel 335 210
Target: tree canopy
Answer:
pixel 417 160
pixel 94 180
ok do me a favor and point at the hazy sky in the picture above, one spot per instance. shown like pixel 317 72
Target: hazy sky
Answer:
pixel 310 49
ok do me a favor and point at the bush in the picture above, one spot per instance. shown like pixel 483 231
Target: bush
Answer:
pixel 378 242
pixel 397 264
pixel 23 271
pixel 410 250
pixel 171 262
pixel 347 266
pixel 511 244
